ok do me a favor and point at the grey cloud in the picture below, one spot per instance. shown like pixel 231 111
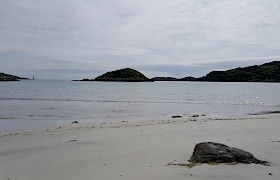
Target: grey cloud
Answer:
pixel 110 34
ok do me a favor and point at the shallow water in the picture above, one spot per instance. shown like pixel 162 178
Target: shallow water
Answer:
pixel 42 103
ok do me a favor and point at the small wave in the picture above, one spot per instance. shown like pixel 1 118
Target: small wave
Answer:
pixel 98 101
pixel 6 118
pixel 265 112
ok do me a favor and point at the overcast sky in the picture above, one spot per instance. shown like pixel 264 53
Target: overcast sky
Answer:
pixel 73 39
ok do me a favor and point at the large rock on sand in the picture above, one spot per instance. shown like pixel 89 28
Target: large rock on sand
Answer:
pixel 211 152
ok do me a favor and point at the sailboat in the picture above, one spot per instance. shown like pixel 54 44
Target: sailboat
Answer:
pixel 33 78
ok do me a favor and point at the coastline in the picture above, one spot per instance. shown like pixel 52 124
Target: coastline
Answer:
pixel 139 150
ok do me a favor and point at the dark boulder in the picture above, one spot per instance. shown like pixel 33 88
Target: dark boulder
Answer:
pixel 211 152
pixel 177 116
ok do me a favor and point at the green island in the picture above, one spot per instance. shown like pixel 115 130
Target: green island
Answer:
pixel 8 77
pixel 123 75
pixel 268 72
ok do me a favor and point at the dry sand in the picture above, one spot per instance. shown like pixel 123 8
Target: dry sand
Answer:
pixel 139 150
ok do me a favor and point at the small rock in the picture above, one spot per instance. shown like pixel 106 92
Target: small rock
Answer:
pixel 196 115
pixel 73 140
pixel 177 116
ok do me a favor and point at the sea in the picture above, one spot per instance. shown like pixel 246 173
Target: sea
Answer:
pixel 30 104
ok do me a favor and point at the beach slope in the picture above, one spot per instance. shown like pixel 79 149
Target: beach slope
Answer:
pixel 139 150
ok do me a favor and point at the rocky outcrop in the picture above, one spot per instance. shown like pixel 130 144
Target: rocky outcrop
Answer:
pixel 211 152
pixel 123 75
pixel 8 77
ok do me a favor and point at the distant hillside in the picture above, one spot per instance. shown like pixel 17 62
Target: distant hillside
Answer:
pixel 268 72
pixel 189 78
pixel 123 75
pixel 8 77
pixel 164 79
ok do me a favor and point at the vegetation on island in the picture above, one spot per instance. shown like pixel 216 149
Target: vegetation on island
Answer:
pixel 268 72
pixel 164 79
pixel 123 75
pixel 8 77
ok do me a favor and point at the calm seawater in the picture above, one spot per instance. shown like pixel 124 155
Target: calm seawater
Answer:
pixel 43 103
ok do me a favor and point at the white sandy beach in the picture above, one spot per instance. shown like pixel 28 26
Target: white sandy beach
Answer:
pixel 139 150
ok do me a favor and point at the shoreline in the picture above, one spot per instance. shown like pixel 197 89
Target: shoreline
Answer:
pixel 25 125
pixel 133 122
pixel 137 150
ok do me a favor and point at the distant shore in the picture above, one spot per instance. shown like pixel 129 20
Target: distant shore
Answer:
pixel 139 150
pixel 268 72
